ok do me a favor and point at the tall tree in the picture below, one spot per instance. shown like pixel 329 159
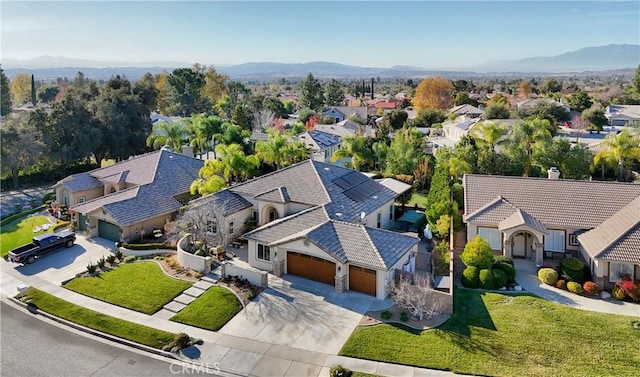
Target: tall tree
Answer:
pixel 356 148
pixel 20 88
pixel 311 96
pixel 396 118
pixel 489 134
pixel 524 89
pixel 428 117
pixel 439 197
pixel 185 91
pixel 333 93
pixel 620 150
pixel 170 134
pixel 527 135
pixel 162 87
pixel 573 161
pixel 47 93
pixel 402 156
pixel 596 118
pixel 146 90
pixel 5 96
pixel 203 130
pixel 21 145
pixel 550 86
pixel 579 101
pixel 33 91
pixel 496 111
pixel 433 93
pixel 215 86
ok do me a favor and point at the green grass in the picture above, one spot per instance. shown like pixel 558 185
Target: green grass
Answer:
pixel 20 232
pixel 419 199
pixel 139 286
pixel 98 321
pixel 503 335
pixel 211 310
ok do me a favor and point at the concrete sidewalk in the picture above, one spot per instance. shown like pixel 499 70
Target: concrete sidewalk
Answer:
pixel 230 353
pixel 527 277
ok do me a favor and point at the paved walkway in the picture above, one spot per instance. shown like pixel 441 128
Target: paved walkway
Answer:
pixel 232 354
pixel 527 277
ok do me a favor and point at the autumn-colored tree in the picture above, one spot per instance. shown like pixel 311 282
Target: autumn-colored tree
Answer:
pixel 215 86
pixel 20 89
pixel 63 89
pixel 524 89
pixel 434 93
pixel 310 124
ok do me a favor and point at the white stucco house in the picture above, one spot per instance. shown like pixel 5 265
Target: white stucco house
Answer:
pixel 321 222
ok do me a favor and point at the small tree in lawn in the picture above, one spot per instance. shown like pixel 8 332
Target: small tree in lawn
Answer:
pixel 579 126
pixel 477 253
pixel 415 297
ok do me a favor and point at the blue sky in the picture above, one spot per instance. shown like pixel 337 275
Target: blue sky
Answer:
pixel 368 33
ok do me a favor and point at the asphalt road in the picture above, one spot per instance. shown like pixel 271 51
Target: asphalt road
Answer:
pixel 32 347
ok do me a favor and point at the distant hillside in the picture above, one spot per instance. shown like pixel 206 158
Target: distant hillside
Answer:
pixel 600 58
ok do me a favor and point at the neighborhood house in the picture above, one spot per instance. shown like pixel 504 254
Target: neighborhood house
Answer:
pixel 131 198
pixel 538 219
pixel 319 221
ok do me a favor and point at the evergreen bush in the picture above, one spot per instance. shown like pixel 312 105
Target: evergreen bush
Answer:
pixel 548 276
pixel 485 277
pixel 499 278
pixel 470 277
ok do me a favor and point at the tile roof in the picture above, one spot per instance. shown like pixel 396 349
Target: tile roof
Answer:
pixel 277 195
pixel 348 111
pixel 627 111
pixel 79 182
pixel 617 238
pixel 394 185
pixel 520 218
pixel 159 176
pixel 335 129
pixel 318 140
pixel 562 203
pixel 465 109
pixel 226 201
pixel 285 228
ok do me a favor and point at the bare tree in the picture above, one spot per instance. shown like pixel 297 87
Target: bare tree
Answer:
pixel 262 119
pixel 412 292
pixel 578 126
pixel 205 219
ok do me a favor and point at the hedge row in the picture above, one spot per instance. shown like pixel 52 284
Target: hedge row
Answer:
pixel 148 246
pixel 16 216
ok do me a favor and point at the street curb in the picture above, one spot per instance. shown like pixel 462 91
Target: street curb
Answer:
pixel 100 334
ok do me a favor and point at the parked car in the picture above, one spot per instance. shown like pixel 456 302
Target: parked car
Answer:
pixel 41 245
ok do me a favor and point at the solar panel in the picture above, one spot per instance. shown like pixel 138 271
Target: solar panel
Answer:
pixel 350 180
pixel 362 191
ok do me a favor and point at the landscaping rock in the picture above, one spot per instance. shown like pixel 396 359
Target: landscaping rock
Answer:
pixel 605 294
pixel 517 288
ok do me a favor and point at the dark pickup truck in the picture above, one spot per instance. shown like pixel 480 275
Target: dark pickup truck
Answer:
pixel 42 244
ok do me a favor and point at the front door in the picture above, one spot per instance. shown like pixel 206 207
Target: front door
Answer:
pixel 519 245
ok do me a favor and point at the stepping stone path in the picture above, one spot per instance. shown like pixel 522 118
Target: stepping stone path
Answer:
pixel 187 297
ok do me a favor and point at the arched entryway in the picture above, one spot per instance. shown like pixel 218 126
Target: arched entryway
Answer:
pixel 270 214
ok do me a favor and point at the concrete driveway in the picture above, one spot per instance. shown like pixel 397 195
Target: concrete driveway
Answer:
pixel 303 314
pixel 57 267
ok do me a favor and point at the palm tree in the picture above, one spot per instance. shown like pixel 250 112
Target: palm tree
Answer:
pixel 354 147
pixel 526 135
pixel 488 136
pixel 170 134
pixel 620 149
pixel 233 164
pixel 202 131
pixel 295 152
pixel 271 151
pixel 209 179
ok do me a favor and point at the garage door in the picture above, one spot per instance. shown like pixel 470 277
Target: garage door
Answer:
pixel 362 280
pixel 311 267
pixel 108 231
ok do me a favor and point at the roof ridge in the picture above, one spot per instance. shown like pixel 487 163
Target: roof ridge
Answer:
pixel 128 159
pixel 270 174
pixel 613 183
pixel 284 219
pixel 324 187
pixel 486 206
pixel 625 232
pixel 373 244
pixel 111 194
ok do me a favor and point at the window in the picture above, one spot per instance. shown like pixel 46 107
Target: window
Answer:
pixel 81 200
pixel 231 227
pixel 379 219
pixel 618 270
pixel 273 214
pixel 264 253
pixel 391 212
pixel 554 241
pixel 212 226
pixel 255 216
pixel 491 235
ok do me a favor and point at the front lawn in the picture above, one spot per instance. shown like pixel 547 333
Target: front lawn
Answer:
pixel 211 310
pixel 115 326
pixel 138 286
pixel 20 232
pixel 509 335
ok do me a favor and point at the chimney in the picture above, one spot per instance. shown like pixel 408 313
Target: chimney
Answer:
pixel 187 150
pixel 553 173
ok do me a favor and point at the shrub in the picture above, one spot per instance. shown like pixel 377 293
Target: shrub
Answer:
pixel 499 278
pixel 48 197
pixel 470 277
pixel 617 292
pixel 340 371
pixel 573 275
pixel 129 259
pixel 477 253
pixel 630 289
pixel 562 284
pixel 101 262
pixel 574 287
pixel 250 295
pixel 181 340
pixel 199 253
pixel 572 264
pixel 503 259
pixel 508 269
pixel 590 288
pixel 548 276
pixel 119 255
pixel 148 246
pixel 91 268
pixel 111 259
pixel 386 315
pixel 404 317
pixel 485 277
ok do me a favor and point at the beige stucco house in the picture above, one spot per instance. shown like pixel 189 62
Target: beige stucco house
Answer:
pixel 537 218
pixel 321 222
pixel 125 200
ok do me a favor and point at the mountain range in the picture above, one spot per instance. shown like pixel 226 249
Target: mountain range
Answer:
pixel 601 58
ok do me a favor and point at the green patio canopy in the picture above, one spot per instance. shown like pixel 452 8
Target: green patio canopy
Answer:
pixel 412 221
